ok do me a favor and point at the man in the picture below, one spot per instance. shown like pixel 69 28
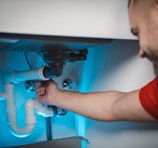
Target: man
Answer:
pixel 137 105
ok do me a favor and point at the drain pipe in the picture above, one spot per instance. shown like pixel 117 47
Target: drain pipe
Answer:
pixel 43 73
pixel 33 74
pixel 30 106
pixel 11 114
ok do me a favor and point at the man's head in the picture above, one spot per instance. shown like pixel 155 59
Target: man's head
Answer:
pixel 143 17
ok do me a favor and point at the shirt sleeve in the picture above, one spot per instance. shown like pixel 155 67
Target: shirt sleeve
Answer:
pixel 148 96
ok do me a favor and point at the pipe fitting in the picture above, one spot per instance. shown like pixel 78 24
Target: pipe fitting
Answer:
pixel 41 109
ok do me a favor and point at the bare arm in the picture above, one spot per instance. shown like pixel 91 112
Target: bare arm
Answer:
pixel 103 106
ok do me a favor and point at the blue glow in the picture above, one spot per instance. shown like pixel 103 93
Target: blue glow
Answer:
pixel 19 135
pixel 84 86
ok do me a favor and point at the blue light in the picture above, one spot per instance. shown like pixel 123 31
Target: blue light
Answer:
pixel 19 135
pixel 84 86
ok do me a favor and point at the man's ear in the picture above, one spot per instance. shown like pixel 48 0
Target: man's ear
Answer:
pixel 156 4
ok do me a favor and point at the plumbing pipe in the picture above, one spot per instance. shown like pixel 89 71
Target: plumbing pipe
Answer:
pixel 11 114
pixel 30 119
pixel 35 74
pixel 21 132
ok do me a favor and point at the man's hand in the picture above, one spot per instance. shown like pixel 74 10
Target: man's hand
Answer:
pixel 46 92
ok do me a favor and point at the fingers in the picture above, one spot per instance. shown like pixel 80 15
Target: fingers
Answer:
pixel 41 91
pixel 41 87
pixel 44 91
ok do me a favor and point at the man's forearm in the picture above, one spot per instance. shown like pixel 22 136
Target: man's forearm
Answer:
pixel 93 105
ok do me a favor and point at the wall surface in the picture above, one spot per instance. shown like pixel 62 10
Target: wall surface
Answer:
pixel 117 66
